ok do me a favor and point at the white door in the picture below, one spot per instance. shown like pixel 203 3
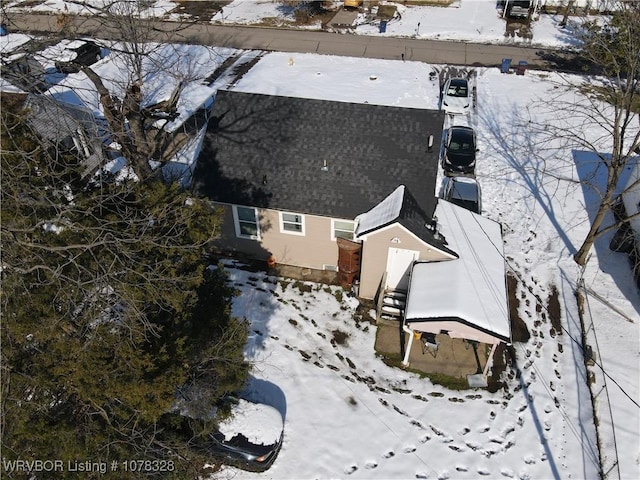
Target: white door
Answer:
pixel 399 266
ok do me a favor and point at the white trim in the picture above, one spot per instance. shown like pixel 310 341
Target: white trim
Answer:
pixel 290 232
pixel 399 225
pixel 236 222
pixel 333 228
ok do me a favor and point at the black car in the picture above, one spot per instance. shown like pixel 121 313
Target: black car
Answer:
pixel 77 54
pixel 248 438
pixel 239 444
pixel 459 151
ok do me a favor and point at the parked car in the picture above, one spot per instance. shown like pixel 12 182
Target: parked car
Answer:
pixel 76 54
pixel 459 156
pixel 456 96
pixel 25 72
pixel 249 438
pixel 464 192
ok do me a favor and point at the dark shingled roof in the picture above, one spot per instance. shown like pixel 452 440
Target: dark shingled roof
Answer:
pixel 269 151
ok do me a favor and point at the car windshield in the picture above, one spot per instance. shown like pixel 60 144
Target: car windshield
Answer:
pixel 457 88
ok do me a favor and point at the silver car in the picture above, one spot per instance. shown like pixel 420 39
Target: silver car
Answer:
pixel 464 192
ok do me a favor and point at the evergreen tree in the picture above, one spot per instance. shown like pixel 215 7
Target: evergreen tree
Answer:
pixel 108 308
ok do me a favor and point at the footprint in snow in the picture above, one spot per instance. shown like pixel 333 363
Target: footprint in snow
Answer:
pixel 409 449
pixel 473 445
pixel 389 454
pixel 507 473
pixel 462 468
pixel 425 439
pixel 349 470
pixel 464 431
pixel 484 429
pixel 484 472
pixel 510 429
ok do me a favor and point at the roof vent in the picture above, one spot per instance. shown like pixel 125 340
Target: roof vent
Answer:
pixel 324 168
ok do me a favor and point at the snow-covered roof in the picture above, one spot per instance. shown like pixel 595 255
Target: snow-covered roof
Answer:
pixel 260 423
pixel 471 288
pixel 382 214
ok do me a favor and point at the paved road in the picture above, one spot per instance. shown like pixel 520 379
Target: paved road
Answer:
pixel 306 41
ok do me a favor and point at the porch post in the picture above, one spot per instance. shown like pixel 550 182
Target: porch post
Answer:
pixel 405 361
pixel 489 360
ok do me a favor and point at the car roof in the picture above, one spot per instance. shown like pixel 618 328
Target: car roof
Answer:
pixel 464 188
pixel 260 423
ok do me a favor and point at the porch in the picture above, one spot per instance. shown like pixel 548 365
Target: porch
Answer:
pixel 454 357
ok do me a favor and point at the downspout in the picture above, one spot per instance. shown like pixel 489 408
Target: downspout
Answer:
pixel 405 361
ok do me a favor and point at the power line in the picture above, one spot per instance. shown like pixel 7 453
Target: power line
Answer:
pixel 539 302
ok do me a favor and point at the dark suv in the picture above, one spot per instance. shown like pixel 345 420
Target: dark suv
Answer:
pixel 78 54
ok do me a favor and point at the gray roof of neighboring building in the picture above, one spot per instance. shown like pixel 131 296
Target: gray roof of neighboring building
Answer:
pixel 269 151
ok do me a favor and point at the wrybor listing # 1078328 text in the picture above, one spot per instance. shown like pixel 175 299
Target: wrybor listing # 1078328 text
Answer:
pixel 100 466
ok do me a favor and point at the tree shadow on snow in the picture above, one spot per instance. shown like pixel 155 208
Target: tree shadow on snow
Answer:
pixel 263 391
pixel 510 136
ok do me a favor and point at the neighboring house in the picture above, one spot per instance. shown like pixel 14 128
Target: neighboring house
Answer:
pixel 626 239
pixel 294 174
pixel 24 72
pixel 72 129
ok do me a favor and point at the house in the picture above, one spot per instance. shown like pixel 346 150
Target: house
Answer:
pixel 351 188
pixel 294 174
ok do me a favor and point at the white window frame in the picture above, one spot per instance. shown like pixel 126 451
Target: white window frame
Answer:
pixel 333 228
pixel 236 222
pixel 290 232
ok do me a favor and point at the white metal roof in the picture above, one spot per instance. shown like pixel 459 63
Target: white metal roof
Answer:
pixel 471 288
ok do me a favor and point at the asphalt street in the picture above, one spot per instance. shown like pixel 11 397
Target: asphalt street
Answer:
pixel 302 41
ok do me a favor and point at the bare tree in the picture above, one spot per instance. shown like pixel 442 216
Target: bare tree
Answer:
pixel 139 124
pixel 599 113
pixel 614 103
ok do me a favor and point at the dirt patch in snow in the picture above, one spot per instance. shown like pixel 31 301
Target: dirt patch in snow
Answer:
pixel 519 330
pixel 553 309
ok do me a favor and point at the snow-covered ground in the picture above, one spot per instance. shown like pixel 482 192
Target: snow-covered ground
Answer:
pixel 346 413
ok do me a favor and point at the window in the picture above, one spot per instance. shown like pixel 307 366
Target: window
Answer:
pixel 342 229
pixel 292 223
pixel 246 222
